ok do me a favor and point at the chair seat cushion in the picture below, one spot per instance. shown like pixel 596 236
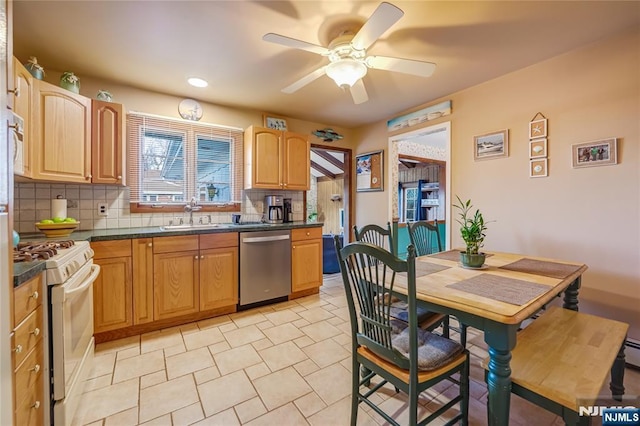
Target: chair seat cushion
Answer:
pixel 433 351
pixel 399 311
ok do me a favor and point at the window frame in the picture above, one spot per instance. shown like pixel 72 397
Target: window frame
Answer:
pixel 192 131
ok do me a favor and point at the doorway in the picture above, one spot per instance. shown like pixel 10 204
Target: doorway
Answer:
pixel 329 196
pixel 432 145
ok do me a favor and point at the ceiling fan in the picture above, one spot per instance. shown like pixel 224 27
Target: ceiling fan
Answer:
pixel 347 53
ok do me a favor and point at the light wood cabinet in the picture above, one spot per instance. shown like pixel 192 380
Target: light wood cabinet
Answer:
pixel 112 289
pixel 218 270
pixel 276 160
pixel 175 276
pixel 61 134
pixel 142 280
pixel 22 104
pixel 108 152
pixel 28 353
pixel 306 259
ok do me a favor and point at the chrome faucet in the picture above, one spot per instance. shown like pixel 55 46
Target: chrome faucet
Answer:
pixel 191 207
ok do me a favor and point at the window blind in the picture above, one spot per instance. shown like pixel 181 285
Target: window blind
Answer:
pixel 173 160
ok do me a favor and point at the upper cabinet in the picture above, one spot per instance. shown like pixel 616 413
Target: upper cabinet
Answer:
pixel 276 160
pixel 61 134
pixel 107 143
pixel 22 94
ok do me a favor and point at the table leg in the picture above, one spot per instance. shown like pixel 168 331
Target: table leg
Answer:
pixel 617 375
pixel 571 295
pixel 501 338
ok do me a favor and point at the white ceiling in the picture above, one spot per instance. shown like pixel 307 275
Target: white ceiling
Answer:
pixel 156 45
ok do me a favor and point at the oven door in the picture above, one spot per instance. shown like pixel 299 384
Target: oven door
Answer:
pixel 72 324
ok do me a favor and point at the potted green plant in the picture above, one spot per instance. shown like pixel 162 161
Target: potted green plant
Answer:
pixel 70 81
pixel 472 231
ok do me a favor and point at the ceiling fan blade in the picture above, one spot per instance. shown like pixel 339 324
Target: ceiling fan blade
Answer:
pixel 304 80
pixel 380 21
pixel 359 93
pixel 295 43
pixel 407 66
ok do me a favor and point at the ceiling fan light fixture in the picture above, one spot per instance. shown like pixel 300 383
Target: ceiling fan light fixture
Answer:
pixel 197 82
pixel 345 72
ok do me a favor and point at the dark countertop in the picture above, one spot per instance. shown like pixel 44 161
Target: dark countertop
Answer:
pixel 23 271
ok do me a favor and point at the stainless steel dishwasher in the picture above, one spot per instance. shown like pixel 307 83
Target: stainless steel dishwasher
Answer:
pixel 265 266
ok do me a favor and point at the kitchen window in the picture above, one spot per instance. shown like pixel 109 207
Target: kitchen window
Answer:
pixel 410 204
pixel 173 161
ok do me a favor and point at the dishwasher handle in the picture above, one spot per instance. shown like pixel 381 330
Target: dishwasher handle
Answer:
pixel 265 239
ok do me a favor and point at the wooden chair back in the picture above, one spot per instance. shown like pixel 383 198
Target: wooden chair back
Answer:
pixel 425 237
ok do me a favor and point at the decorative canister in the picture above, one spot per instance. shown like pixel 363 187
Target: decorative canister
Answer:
pixel 34 68
pixel 70 81
pixel 104 95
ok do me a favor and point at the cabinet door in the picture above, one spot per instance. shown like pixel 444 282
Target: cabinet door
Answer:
pixel 306 264
pixel 61 134
pixel 142 280
pixel 218 278
pixel 263 159
pixel 107 143
pixel 112 294
pixel 297 162
pixel 23 82
pixel 175 282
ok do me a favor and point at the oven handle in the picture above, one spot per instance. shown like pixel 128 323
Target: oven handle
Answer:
pixel 95 270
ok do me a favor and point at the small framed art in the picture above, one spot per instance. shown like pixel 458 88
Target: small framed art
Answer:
pixel 596 153
pixel 538 168
pixel 538 148
pixel 271 121
pixel 538 129
pixel 491 145
pixel 370 172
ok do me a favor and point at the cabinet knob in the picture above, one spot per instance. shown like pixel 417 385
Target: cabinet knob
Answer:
pixel 35 368
pixel 294 247
pixel 285 184
pixel 308 233
pixel 36 332
pixel 150 245
pixel 202 257
pixel 196 258
pixel 35 295
pixel 88 177
pixel 119 177
pixel 16 92
pixel 36 405
pixel 18 349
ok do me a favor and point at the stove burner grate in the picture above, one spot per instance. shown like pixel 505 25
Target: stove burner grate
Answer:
pixel 28 251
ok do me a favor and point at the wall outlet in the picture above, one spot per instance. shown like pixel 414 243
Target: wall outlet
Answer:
pixel 102 209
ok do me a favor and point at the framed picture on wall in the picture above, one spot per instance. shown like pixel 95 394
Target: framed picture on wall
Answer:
pixel 271 121
pixel 370 171
pixel 538 168
pixel 538 128
pixel 538 148
pixel 491 145
pixel 597 153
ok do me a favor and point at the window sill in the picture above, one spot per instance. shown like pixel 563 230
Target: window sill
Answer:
pixel 179 208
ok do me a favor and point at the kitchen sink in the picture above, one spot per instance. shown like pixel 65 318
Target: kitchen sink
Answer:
pixel 184 227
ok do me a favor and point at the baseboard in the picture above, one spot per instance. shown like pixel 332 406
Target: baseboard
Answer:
pixel 632 353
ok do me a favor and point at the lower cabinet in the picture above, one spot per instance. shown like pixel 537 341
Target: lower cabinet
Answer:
pixel 27 349
pixel 112 290
pixel 306 259
pixel 146 280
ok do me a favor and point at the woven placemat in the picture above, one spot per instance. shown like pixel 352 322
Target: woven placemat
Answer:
pixel 426 268
pixel 508 290
pixel 542 267
pixel 453 255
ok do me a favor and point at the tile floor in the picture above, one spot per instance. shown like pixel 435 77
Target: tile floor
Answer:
pixel 284 364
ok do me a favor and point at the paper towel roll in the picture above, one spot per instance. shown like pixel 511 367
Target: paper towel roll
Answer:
pixel 59 208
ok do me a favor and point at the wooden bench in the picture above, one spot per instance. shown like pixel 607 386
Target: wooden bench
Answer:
pixel 562 360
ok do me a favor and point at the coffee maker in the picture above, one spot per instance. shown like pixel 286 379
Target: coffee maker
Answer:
pixel 273 209
pixel 288 212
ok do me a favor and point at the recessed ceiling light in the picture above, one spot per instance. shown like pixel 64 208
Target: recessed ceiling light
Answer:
pixel 197 82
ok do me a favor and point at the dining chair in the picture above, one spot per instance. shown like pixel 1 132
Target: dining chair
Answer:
pixel 397 352
pixel 383 238
pixel 376 235
pixel 425 237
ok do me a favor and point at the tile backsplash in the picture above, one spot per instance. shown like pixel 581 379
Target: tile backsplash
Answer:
pixel 32 203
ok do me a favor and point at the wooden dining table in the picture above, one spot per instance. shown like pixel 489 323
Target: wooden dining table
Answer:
pixel 496 299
